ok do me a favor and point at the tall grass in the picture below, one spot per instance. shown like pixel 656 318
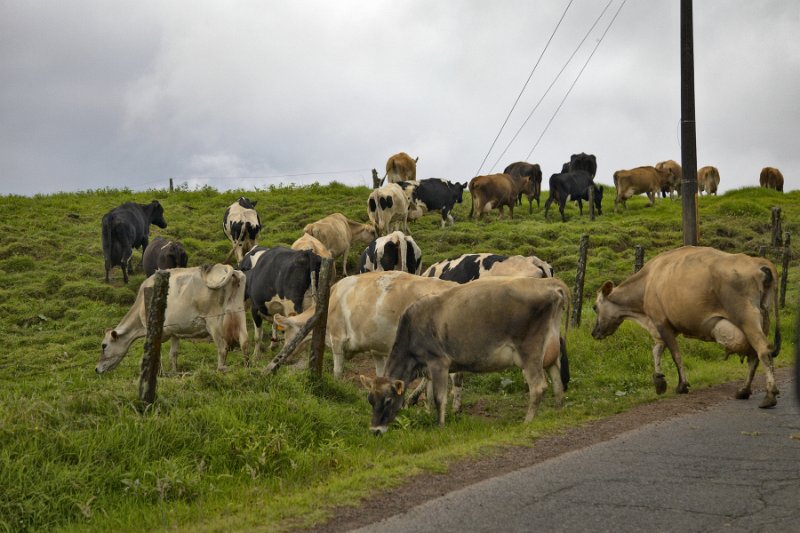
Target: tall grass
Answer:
pixel 240 450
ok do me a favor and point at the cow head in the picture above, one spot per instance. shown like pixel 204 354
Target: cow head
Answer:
pixel 459 190
pixel 609 317
pixel 112 350
pixel 386 397
pixel 157 214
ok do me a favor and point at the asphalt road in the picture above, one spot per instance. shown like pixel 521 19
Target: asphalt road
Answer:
pixel 732 468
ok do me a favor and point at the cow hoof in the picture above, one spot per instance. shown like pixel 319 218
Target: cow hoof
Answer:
pixel 768 401
pixel 743 394
pixel 660 383
pixel 683 388
pixel 222 368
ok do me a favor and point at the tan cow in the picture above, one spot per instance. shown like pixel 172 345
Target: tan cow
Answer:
pixel 771 178
pixel 708 180
pixel 387 204
pixel 673 183
pixel 493 191
pixel 400 167
pixel 338 233
pixel 202 301
pixel 701 293
pixel 647 180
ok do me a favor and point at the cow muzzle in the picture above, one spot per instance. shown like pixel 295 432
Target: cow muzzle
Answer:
pixel 378 430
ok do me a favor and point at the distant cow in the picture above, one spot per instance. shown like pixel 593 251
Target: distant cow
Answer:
pixel 771 178
pixel 127 227
pixel 708 180
pixel 673 183
pixel 387 204
pixel 648 180
pixel 529 180
pixel 163 254
pixel 202 301
pixel 583 161
pixel 436 194
pixel 363 314
pixel 493 191
pixel 395 251
pixel 241 225
pixel 573 185
pixel 704 294
pixel 400 167
pixel 487 325
pixel 278 281
pixel 338 233
pixel 470 267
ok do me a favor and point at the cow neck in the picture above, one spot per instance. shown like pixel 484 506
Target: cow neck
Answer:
pixel 404 368
pixel 131 326
pixel 629 296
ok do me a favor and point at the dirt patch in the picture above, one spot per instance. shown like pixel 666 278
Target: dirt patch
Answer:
pixel 424 487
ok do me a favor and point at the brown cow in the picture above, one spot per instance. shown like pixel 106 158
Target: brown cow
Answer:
pixel 648 180
pixel 673 184
pixel 337 233
pixel 400 167
pixel 771 178
pixel 493 191
pixel 701 293
pixel 528 178
pixel 708 180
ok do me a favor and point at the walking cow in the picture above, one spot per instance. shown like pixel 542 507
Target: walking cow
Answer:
pixel 127 227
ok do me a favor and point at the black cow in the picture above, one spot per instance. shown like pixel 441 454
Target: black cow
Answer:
pixel 241 225
pixel 395 251
pixel 278 281
pixel 531 176
pixel 127 227
pixel 434 194
pixel 583 161
pixel 573 186
pixel 163 254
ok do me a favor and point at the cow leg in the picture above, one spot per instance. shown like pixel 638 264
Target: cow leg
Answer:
pixel 258 335
pixel 173 353
pixel 222 352
pixel 338 362
pixel 558 387
pixel 580 206
pixel 669 338
pixel 658 376
pixel 274 340
pixel 759 342
pixel 547 204
pixel 745 392
pixel 561 209
pixel 438 377
pixel 458 388
pixel 530 205
pixel 537 384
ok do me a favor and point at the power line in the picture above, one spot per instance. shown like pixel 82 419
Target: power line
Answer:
pixel 523 88
pixel 577 78
pixel 586 36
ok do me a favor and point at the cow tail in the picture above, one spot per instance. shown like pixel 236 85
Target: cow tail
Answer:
pixel 472 195
pixel 402 246
pixel 563 359
pixel 776 306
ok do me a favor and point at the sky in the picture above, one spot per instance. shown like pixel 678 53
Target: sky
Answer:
pixel 247 94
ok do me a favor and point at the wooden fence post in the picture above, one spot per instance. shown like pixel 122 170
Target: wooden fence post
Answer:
pixel 777 231
pixel 577 295
pixel 591 202
pixel 762 251
pixel 376 182
pixel 156 297
pixel 171 189
pixel 318 337
pixel 787 255
pixel 638 261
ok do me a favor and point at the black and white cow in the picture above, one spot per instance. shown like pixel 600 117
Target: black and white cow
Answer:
pixel 469 267
pixel 163 254
pixel 241 225
pixel 573 185
pixel 396 251
pixel 278 281
pixel 127 227
pixel 434 194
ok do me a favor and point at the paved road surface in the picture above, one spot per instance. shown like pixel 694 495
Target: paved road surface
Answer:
pixel 733 468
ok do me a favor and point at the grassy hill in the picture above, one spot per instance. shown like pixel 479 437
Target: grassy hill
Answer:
pixel 241 450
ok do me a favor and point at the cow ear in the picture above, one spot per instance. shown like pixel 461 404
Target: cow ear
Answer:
pixel 607 287
pixel 114 335
pixel 399 386
pixel 366 381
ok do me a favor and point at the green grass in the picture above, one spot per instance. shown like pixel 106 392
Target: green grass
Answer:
pixel 243 451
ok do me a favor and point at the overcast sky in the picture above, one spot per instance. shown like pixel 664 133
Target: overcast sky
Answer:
pixel 245 94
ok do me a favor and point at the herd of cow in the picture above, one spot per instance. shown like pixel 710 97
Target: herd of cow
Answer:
pixel 475 313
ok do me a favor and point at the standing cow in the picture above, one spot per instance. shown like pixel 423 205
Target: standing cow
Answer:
pixel 400 167
pixel 127 227
pixel 163 254
pixel 648 180
pixel 387 204
pixel 704 294
pixel 338 233
pixel 493 191
pixel 573 185
pixel 771 178
pixel 672 184
pixel 708 180
pixel 395 251
pixel 529 179
pixel 241 224
pixel 434 194
pixel 583 161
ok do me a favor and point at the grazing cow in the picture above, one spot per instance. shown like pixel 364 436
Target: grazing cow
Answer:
pixel 395 251
pixel 528 178
pixel 708 180
pixel 648 180
pixel 573 185
pixel 338 233
pixel 400 167
pixel 701 293
pixel 387 204
pixel 434 194
pixel 127 227
pixel 487 325
pixel 202 301
pixel 673 183
pixel 583 161
pixel 492 191
pixel 363 314
pixel 771 178
pixel 470 267
pixel 241 225
pixel 278 281
pixel 163 254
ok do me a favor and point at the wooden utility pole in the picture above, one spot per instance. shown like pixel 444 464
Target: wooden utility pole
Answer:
pixel 688 128
pixel 580 275
pixel 156 298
